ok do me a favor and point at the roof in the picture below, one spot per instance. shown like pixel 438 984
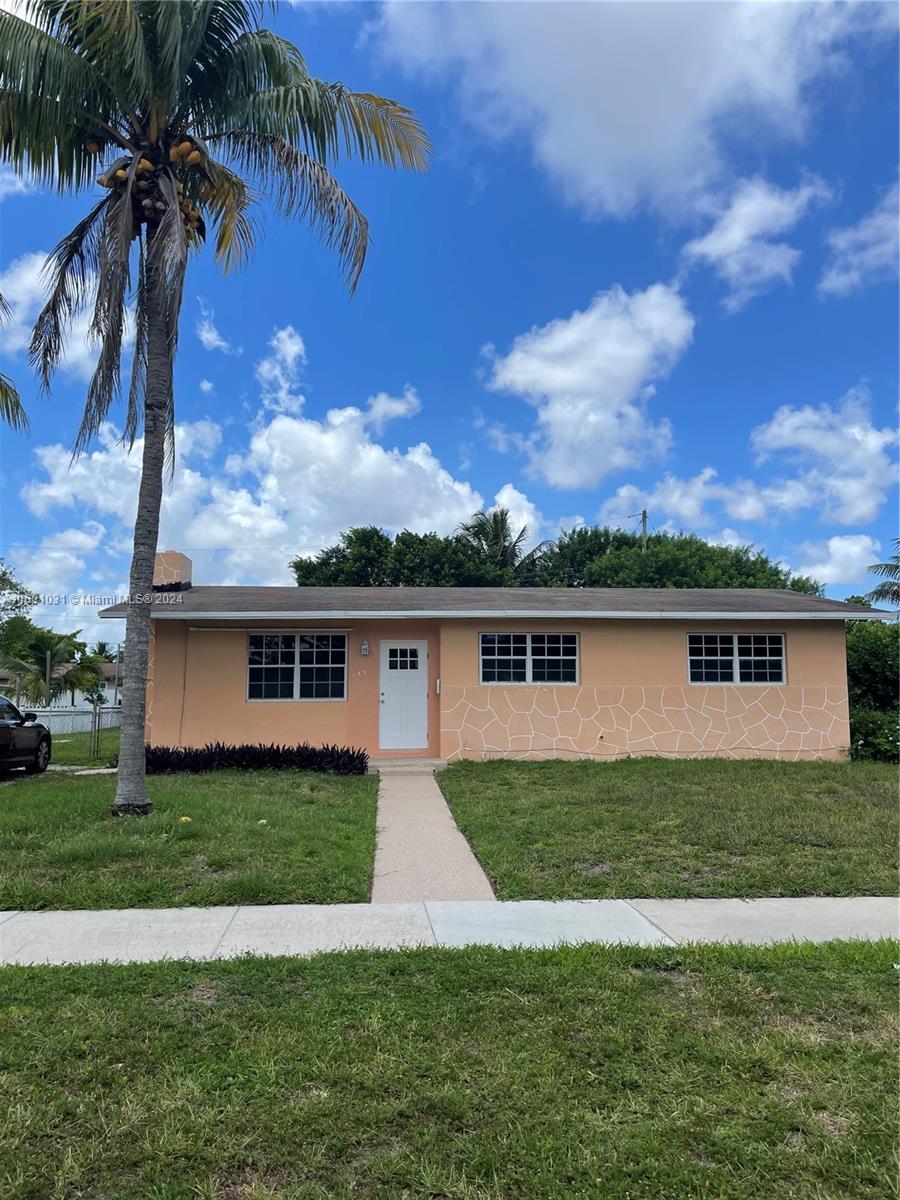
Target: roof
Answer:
pixel 308 603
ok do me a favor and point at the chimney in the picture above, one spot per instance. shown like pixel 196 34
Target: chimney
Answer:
pixel 171 572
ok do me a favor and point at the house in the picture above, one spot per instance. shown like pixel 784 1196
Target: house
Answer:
pixel 491 672
pixel 111 688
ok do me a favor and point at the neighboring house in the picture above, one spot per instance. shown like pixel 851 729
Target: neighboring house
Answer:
pixel 76 700
pixel 500 672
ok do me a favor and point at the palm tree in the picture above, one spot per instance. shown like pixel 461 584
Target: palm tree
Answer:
pixel 105 652
pixel 889 591
pixel 491 534
pixel 85 674
pixel 11 410
pixel 46 657
pixel 194 109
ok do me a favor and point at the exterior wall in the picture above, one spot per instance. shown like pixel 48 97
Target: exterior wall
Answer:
pixel 198 688
pixel 634 697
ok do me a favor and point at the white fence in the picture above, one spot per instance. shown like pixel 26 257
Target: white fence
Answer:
pixel 76 720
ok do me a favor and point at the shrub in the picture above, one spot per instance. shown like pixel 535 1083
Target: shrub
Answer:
pixel 216 756
pixel 873 664
pixel 874 734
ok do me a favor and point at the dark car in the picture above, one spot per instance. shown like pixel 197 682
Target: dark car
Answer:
pixel 24 741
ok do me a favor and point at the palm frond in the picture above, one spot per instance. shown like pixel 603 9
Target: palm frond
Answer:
pixel 72 268
pixel 229 206
pixel 12 410
pixel 328 119
pixel 302 187
pixel 207 32
pixel 39 76
pixel 107 32
pixel 375 128
pixel 110 309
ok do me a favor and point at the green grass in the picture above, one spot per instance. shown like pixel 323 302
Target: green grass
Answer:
pixel 608 1074
pixel 654 827
pixel 73 749
pixel 59 848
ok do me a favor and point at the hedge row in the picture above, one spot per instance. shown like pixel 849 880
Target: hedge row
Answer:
pixel 216 756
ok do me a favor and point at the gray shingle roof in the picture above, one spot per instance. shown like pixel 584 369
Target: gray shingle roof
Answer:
pixel 306 602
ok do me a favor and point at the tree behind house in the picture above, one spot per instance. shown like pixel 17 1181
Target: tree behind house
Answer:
pixel 592 556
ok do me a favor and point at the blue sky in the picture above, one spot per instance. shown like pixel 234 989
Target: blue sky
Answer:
pixel 653 265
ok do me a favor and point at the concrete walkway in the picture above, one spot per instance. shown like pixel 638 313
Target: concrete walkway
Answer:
pixel 420 853
pixel 149 935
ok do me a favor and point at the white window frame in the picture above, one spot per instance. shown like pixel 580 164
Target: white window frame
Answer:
pixel 528 681
pixel 736 680
pixel 296 698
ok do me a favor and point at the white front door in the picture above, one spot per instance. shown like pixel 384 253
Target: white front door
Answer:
pixel 403 721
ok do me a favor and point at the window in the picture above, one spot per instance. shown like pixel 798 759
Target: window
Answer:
pixel 291 666
pixel 403 658
pixel 272 657
pixel 8 711
pixel 736 658
pixel 529 658
pixel 322 666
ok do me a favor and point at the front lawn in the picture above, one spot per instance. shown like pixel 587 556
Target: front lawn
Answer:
pixel 254 837
pixel 656 827
pixel 73 749
pixel 626 1074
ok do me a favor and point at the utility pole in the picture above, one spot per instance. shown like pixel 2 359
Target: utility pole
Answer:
pixel 643 531
pixel 48 678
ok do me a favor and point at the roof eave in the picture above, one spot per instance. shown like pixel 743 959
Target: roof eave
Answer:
pixel 168 614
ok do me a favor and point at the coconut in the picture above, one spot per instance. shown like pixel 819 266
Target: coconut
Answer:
pixel 194 157
pixel 121 176
pixel 92 147
pixel 185 148
pixel 145 165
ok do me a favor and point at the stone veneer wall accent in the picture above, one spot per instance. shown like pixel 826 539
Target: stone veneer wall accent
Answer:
pixel 674 722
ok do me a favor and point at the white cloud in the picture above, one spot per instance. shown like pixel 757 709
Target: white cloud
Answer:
pixel 278 373
pixel 23 286
pixel 741 247
pixel 383 408
pixel 290 490
pixel 863 253
pixel 522 512
pixel 842 462
pixel 588 375
pixel 623 104
pixel 209 335
pixel 206 386
pixel 11 184
pixel 847 467
pixel 841 559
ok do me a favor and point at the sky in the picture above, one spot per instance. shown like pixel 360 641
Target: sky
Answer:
pixel 653 265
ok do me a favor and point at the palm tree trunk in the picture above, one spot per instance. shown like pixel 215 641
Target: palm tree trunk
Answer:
pixel 131 785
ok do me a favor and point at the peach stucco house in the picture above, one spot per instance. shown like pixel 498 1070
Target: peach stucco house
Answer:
pixel 500 673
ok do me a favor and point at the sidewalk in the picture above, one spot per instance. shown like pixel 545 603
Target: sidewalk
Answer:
pixel 420 854
pixel 149 935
